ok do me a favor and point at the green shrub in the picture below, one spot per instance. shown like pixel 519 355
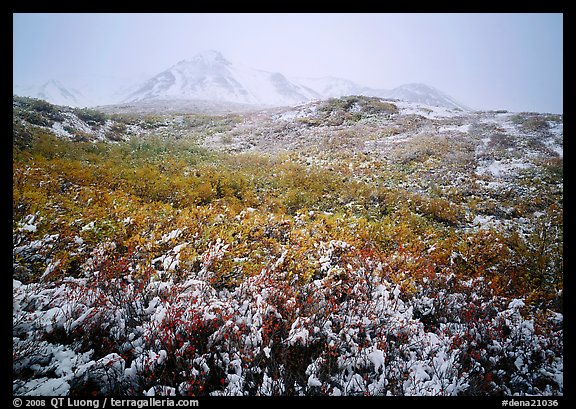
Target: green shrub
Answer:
pixel 117 131
pixel 531 122
pixel 91 116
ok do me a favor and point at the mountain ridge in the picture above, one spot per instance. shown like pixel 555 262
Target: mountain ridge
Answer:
pixel 209 76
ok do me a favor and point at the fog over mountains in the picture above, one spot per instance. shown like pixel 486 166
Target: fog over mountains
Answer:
pixel 52 91
pixel 209 76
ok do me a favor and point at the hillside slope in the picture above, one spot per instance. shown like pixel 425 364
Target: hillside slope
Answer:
pixel 346 247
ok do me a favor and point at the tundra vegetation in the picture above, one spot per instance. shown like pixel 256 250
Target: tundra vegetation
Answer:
pixel 345 247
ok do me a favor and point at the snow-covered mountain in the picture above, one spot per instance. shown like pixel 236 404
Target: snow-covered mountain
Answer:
pixel 210 76
pixel 95 90
pixel 424 94
pixel 53 91
pixel 329 87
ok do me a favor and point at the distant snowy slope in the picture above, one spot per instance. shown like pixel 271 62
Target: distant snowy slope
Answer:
pixel 425 94
pixel 53 91
pixel 95 90
pixel 329 87
pixel 209 76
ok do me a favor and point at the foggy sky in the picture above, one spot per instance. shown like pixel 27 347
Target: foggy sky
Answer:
pixel 485 61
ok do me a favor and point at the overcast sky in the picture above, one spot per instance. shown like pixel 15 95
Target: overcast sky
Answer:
pixel 485 61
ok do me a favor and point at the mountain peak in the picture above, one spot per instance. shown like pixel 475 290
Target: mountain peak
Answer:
pixel 209 76
pixel 417 86
pixel 53 82
pixel 53 91
pixel 425 94
pixel 209 58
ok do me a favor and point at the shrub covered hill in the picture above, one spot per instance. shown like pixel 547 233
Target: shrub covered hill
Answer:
pixel 352 246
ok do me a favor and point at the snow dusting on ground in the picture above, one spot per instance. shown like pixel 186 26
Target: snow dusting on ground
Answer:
pixel 352 246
